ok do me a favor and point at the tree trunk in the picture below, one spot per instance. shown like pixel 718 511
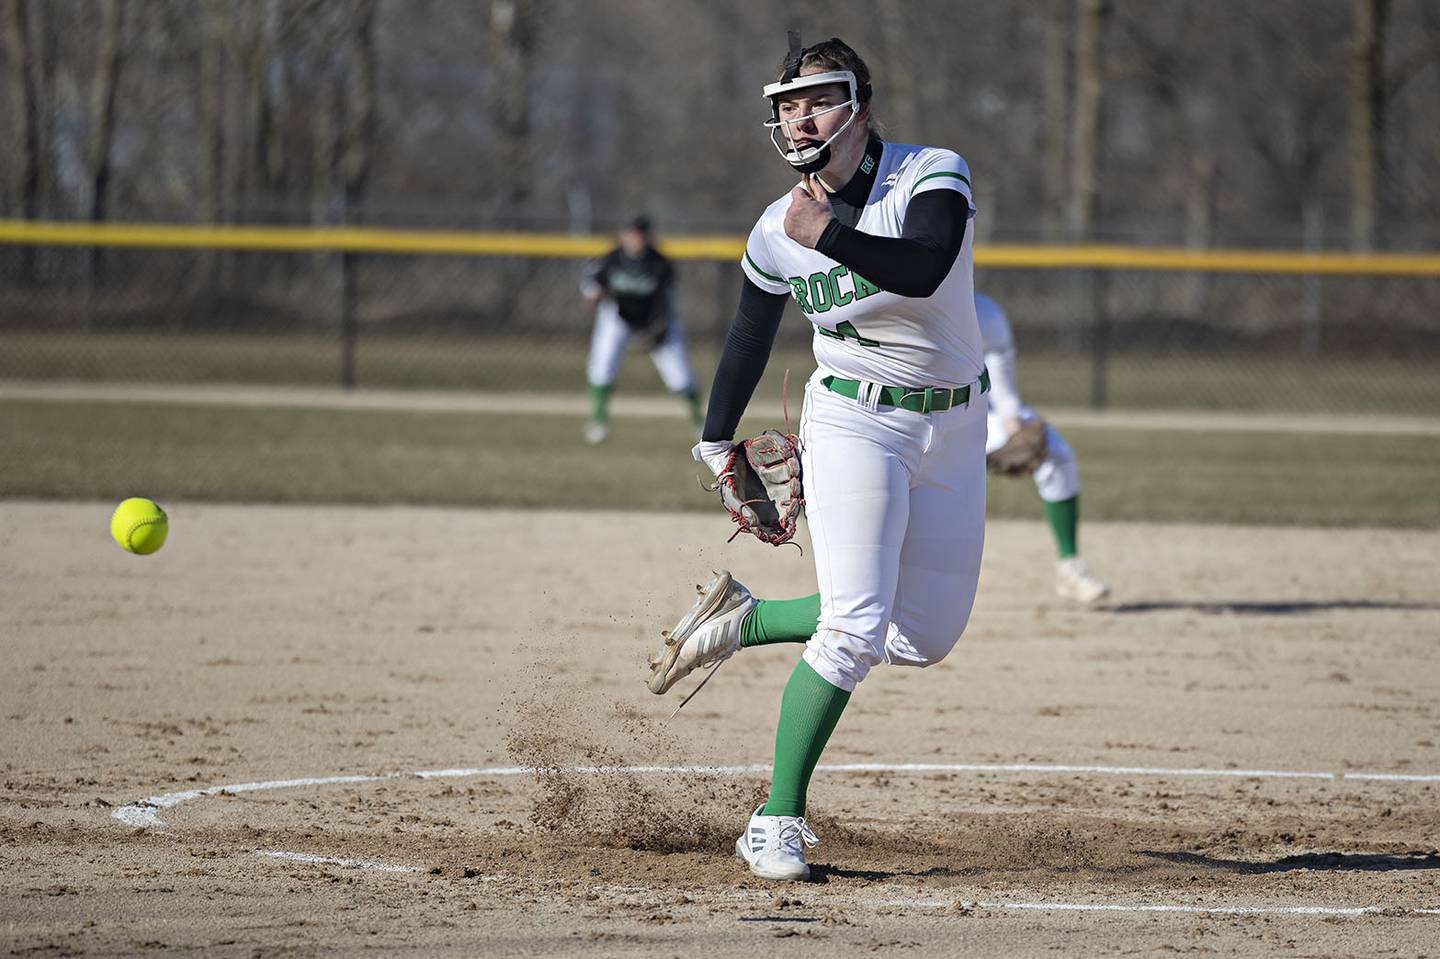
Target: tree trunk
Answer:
pixel 1088 85
pixel 1057 117
pixel 513 39
pixel 1366 111
pixel 101 133
pixel 355 156
pixel 1083 162
pixel 212 137
pixel 23 199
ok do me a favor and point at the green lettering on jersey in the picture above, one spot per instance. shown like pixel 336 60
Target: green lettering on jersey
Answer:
pixel 846 331
pixel 820 293
pixel 802 294
pixel 832 283
pixel 863 287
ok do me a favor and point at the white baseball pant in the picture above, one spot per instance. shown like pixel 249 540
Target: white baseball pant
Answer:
pixel 611 336
pixel 895 502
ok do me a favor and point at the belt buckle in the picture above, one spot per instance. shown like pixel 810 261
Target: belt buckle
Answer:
pixel 929 399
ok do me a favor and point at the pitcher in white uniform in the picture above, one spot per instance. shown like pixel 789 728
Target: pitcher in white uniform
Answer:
pixel 874 247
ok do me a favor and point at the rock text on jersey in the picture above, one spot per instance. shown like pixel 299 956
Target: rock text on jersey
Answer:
pixel 823 291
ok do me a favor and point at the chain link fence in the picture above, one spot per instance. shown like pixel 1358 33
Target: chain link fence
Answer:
pixel 1124 338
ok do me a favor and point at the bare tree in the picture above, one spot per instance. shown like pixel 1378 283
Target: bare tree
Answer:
pixel 1085 138
pixel 108 56
pixel 1056 96
pixel 1367 106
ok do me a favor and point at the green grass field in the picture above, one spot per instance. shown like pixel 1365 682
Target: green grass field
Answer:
pixel 169 452
pixel 1168 381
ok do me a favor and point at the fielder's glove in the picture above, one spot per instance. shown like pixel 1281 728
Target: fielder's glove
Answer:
pixel 1022 453
pixel 759 484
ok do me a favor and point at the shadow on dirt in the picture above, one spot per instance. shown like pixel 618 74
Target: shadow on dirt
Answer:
pixel 1324 861
pixel 1275 608
pixel 821 874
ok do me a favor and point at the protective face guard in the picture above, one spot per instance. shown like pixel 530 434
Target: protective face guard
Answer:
pixel 811 159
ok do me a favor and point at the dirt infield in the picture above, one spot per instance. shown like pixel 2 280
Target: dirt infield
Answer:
pixel 271 644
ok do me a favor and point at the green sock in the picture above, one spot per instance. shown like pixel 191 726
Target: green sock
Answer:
pixel 1064 518
pixel 692 397
pixel 599 403
pixel 809 711
pixel 780 621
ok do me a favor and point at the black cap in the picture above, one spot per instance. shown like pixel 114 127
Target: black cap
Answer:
pixel 640 224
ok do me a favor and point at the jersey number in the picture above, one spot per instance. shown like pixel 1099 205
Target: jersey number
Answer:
pixel 847 331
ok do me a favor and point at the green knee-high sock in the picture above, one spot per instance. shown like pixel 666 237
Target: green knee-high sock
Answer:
pixel 1064 518
pixel 599 403
pixel 780 621
pixel 692 399
pixel 809 711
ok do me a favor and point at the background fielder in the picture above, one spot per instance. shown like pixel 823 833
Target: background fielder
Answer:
pixel 1058 478
pixel 632 290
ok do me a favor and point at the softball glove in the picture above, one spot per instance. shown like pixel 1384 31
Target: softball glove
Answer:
pixel 760 487
pixel 1022 453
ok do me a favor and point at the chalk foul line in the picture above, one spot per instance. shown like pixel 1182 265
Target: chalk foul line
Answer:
pixel 145 814
pixel 915 903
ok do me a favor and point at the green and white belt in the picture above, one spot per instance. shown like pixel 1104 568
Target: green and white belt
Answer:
pixel 916 399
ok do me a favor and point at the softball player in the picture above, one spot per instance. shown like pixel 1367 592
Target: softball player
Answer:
pixel 874 248
pixel 632 290
pixel 1058 478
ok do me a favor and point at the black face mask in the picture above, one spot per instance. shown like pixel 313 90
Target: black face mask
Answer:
pixel 814 165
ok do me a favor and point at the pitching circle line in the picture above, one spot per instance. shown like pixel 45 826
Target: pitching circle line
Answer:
pixel 145 814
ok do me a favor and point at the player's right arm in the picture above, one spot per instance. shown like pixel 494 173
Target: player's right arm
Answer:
pixel 593 286
pixel 746 352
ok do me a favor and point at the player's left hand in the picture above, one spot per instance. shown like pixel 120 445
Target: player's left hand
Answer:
pixel 809 214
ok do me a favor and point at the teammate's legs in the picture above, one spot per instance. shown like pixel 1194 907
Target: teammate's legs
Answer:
pixel 671 361
pixel 1058 482
pixel 607 348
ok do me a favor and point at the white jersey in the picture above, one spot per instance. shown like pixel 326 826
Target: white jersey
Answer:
pixel 998 343
pixel 861 331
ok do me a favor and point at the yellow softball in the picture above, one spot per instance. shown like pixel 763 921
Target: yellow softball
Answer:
pixel 139 525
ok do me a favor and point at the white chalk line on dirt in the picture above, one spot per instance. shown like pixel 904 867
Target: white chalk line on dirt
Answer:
pixel 906 903
pixel 266 396
pixel 145 813
pixel 310 857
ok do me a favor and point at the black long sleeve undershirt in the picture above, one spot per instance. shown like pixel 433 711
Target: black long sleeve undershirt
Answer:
pixel 916 262
pixel 742 362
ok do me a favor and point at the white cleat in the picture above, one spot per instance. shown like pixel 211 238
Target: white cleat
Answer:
pixel 595 432
pixel 1073 581
pixel 774 846
pixel 707 635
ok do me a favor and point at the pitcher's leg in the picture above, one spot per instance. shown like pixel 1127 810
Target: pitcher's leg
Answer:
pixel 857 506
pixel 940 561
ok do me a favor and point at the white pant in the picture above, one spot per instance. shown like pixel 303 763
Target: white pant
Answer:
pixel 1058 478
pixel 611 336
pixel 895 502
